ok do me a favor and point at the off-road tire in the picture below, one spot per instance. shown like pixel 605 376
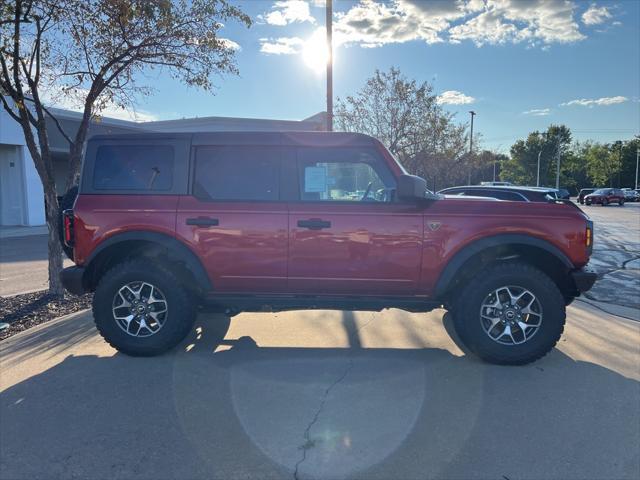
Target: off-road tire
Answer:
pixel 181 310
pixel 466 313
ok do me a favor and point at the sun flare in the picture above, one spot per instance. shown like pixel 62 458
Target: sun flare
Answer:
pixel 315 52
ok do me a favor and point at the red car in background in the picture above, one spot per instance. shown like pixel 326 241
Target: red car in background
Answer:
pixel 605 196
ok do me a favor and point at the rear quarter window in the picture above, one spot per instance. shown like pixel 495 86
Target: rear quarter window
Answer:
pixel 134 167
pixel 237 173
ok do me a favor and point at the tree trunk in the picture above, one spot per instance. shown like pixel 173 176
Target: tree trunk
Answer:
pixel 53 243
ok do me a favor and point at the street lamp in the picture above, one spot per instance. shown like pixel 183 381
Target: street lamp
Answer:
pixel 473 114
pixel 544 134
pixel 637 155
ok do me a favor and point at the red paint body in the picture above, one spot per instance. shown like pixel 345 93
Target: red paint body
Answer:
pixel 370 248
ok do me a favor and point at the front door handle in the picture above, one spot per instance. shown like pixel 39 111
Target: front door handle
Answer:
pixel 314 224
pixel 203 221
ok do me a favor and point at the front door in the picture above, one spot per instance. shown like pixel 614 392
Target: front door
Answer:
pixel 347 234
pixel 235 219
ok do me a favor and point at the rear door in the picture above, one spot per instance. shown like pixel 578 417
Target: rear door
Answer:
pixel 346 235
pixel 235 218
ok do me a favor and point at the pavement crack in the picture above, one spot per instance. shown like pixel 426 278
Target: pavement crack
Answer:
pixel 308 443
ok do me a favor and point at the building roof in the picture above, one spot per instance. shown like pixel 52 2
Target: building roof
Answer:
pixel 230 124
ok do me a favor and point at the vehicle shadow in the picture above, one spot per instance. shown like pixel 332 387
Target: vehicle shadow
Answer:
pixel 230 408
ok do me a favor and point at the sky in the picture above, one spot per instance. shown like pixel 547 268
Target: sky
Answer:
pixel 521 65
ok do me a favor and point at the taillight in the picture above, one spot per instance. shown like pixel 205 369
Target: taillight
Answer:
pixel 588 237
pixel 67 217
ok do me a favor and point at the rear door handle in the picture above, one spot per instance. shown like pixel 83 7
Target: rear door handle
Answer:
pixel 314 224
pixel 203 221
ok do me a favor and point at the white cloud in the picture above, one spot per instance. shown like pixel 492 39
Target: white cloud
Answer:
pixel 592 102
pixel 281 46
pixel 538 112
pixel 374 23
pixel 285 12
pixel 596 15
pixel 454 97
pixel 514 21
pixel 228 43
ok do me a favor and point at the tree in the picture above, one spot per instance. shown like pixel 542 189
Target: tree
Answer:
pixel 522 168
pixel 603 162
pixel 628 167
pixel 406 117
pixel 97 51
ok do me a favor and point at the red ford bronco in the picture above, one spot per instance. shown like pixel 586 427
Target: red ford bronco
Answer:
pixel 165 225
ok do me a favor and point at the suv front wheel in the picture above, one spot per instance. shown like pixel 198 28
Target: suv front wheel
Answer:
pixel 510 314
pixel 141 309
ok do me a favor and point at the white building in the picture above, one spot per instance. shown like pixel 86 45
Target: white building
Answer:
pixel 21 195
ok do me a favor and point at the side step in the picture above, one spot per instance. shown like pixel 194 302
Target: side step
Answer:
pixel 279 303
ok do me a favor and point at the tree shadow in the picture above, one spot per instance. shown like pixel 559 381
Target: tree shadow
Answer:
pixel 228 408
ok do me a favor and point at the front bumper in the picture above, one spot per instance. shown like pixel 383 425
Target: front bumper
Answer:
pixel 584 279
pixel 72 280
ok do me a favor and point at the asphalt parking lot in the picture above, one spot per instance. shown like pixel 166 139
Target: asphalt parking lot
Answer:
pixel 616 254
pixel 327 394
pixel 23 265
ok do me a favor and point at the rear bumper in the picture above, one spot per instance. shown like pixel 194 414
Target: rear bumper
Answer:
pixel 72 280
pixel 584 279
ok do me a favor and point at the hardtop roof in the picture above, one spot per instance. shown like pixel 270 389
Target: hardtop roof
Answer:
pixel 283 138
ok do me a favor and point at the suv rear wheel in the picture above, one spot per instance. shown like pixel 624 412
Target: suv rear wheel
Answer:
pixel 141 309
pixel 510 314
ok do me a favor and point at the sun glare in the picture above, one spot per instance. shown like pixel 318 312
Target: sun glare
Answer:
pixel 316 51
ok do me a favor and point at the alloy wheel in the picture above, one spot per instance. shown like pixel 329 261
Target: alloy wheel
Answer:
pixel 140 309
pixel 511 315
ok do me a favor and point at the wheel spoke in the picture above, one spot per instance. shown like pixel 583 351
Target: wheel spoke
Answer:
pixel 494 321
pixel 506 331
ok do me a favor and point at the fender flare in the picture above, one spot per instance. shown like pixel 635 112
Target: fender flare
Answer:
pixel 460 258
pixel 177 250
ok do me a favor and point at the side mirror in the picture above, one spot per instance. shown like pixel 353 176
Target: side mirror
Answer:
pixel 411 187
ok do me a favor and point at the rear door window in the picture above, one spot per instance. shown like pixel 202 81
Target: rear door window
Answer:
pixel 250 173
pixel 134 167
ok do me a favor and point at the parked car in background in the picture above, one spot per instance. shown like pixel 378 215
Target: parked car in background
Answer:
pixel 583 193
pixel 165 225
pixel 605 196
pixel 504 192
pixel 496 183
pixel 630 195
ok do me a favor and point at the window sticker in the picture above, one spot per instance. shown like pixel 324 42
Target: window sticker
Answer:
pixel 315 179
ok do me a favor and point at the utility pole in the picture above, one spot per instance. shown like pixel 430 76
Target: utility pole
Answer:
pixel 473 114
pixel 329 23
